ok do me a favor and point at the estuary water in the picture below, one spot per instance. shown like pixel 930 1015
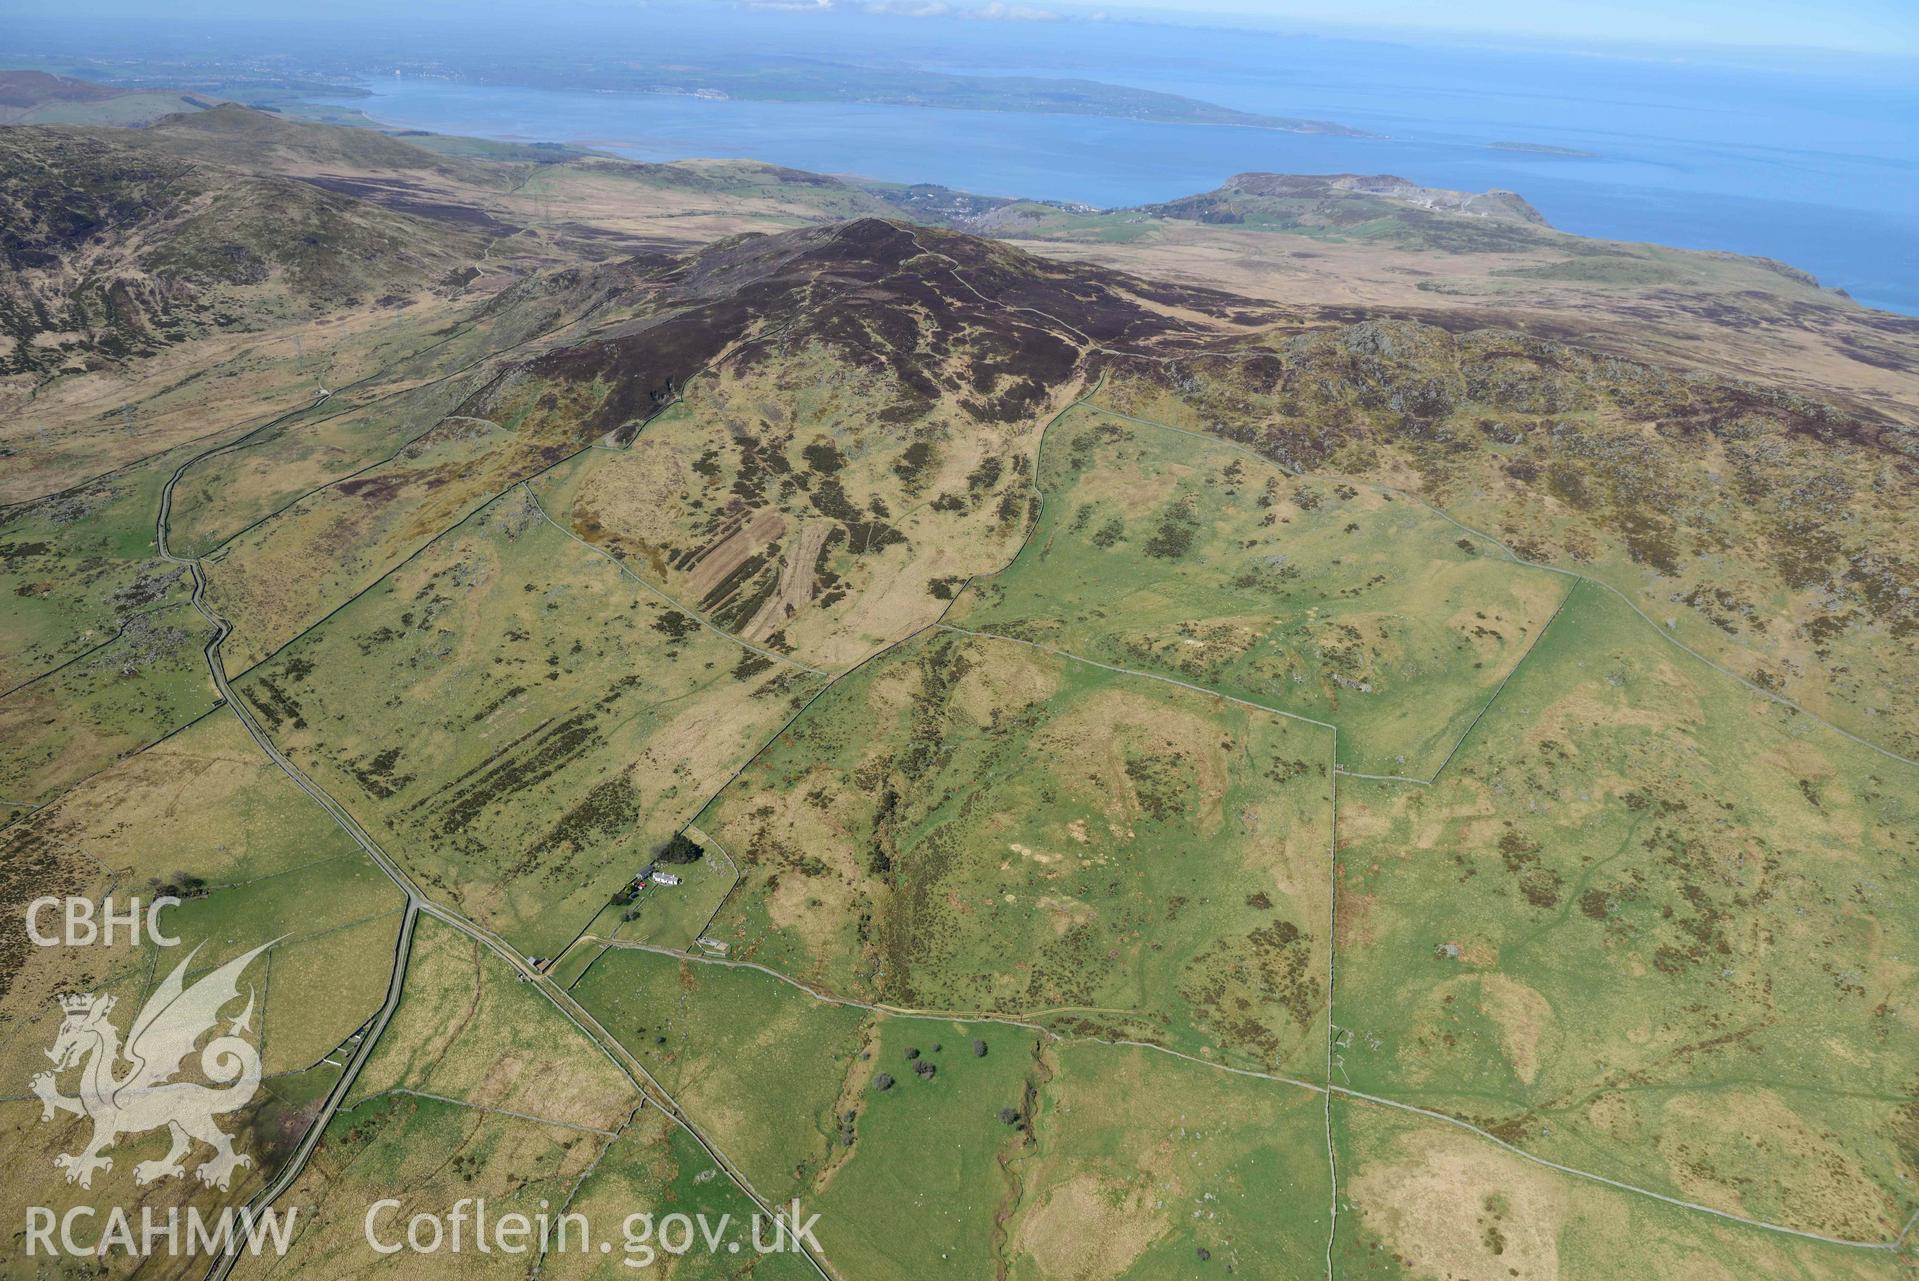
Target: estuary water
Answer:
pixel 1818 170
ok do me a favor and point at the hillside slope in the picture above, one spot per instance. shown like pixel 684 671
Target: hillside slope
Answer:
pixel 1138 763
pixel 111 251
pixel 39 98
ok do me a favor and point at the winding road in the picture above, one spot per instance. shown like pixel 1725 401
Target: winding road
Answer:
pixel 416 904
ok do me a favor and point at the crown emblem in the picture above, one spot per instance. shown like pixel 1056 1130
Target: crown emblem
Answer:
pixel 146 1094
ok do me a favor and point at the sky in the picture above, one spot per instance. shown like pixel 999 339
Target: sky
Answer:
pixel 1883 28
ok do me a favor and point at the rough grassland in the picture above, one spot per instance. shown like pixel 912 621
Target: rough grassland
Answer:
pixel 1605 903
pixel 1145 1167
pixel 284 575
pixel 221 384
pixel 1014 1156
pixel 807 504
pixel 517 722
pixel 75 567
pixel 469 1028
pixel 1767 530
pixel 418 376
pixel 206 816
pixel 655 1170
pixel 101 706
pixel 429 1155
pixel 222 495
pixel 1171 553
pixel 1648 924
pixel 756 1062
pixel 1420 1200
pixel 971 825
pixel 485 1045
pixel 497 1056
pixel 266 1130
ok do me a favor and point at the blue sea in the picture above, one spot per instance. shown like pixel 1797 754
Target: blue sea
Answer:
pixel 1809 158
pixel 1825 180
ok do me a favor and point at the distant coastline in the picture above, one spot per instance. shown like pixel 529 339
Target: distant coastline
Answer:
pixel 1544 149
pixel 801 80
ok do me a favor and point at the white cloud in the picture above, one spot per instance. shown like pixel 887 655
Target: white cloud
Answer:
pixel 994 11
pixel 1000 12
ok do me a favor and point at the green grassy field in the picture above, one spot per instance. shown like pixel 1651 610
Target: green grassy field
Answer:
pixel 654 1171
pixel 254 861
pixel 924 1185
pixel 470 1029
pixel 205 816
pixel 671 915
pixel 1014 1154
pixel 1645 926
pixel 1422 1200
pixel 970 825
pixel 760 1064
pixel 74 567
pixel 518 722
pixel 1177 554
pixel 907 1171
pixel 1147 1167
pixel 812 507
pixel 73 721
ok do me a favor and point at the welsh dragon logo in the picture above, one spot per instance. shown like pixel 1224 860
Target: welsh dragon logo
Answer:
pixel 142 1095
